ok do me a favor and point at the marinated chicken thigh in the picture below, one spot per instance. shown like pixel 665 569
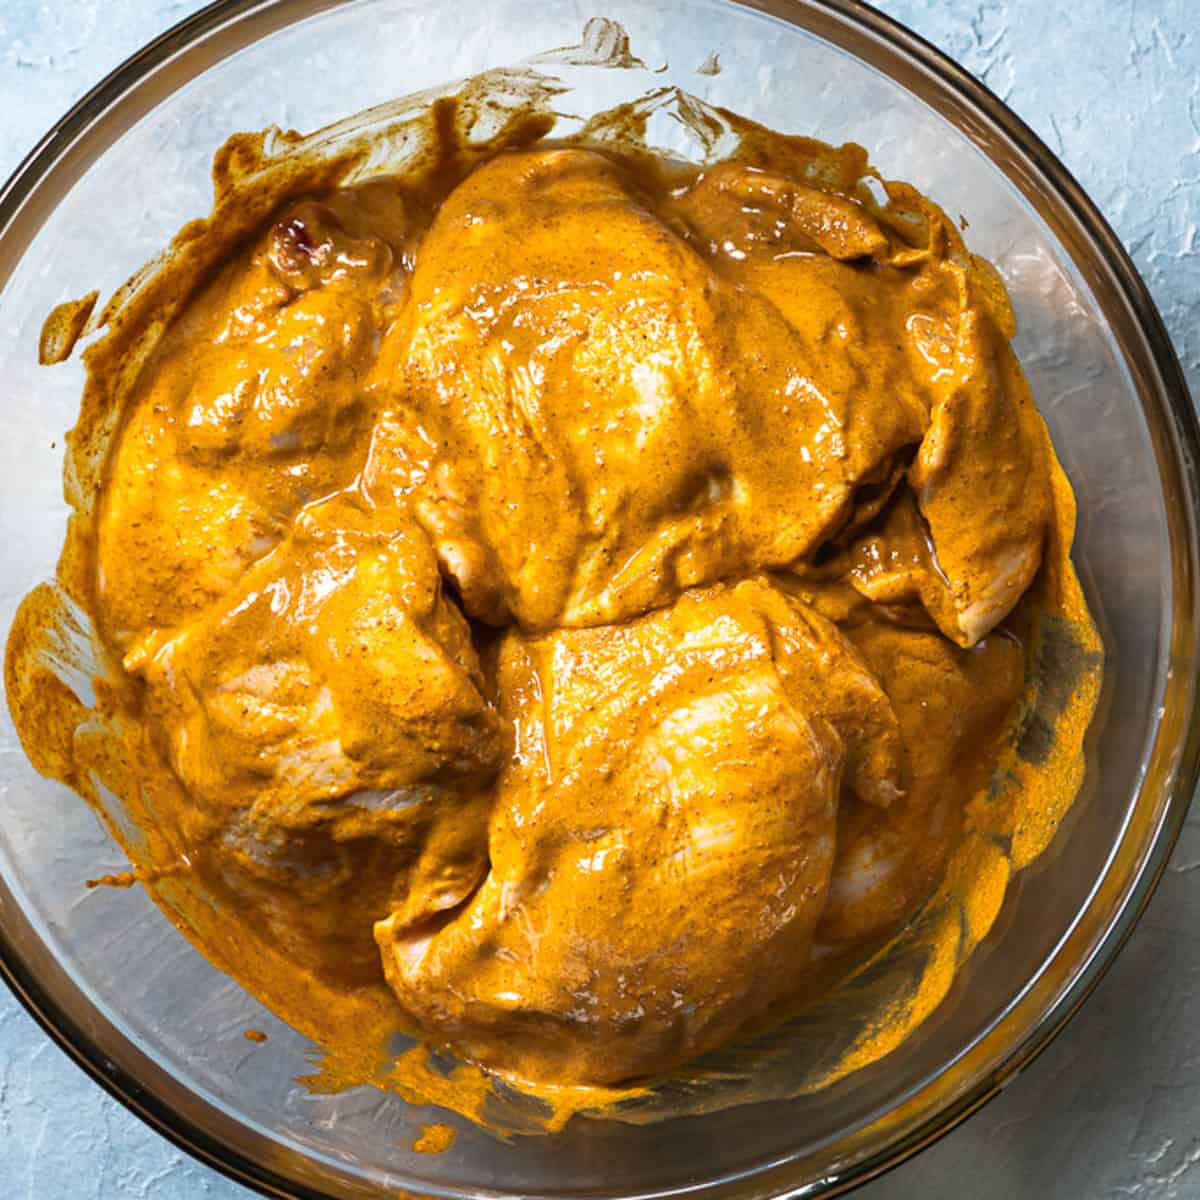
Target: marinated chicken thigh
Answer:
pixel 662 841
pixel 329 719
pixel 612 420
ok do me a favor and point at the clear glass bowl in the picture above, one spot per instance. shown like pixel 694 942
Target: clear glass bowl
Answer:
pixel 121 991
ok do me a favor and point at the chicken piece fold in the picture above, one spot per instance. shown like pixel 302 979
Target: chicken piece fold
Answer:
pixel 966 538
pixel 952 705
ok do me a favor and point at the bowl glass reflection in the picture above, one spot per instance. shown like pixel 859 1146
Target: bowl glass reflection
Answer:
pixel 109 977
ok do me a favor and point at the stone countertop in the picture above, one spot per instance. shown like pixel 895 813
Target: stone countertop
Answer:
pixel 1112 1108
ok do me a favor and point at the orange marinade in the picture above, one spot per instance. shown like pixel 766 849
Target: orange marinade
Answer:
pixel 563 605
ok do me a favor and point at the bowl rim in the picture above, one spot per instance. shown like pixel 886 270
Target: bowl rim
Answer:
pixel 973 96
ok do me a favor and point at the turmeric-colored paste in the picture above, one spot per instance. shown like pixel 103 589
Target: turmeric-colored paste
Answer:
pixel 558 599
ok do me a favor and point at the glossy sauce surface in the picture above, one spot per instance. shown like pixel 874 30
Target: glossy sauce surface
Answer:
pixel 567 600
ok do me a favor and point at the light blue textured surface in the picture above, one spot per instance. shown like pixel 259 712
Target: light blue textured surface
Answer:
pixel 1113 1107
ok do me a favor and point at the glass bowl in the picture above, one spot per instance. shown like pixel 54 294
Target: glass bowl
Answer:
pixel 138 1008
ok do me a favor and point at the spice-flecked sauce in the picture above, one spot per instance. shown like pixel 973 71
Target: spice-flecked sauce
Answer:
pixel 559 600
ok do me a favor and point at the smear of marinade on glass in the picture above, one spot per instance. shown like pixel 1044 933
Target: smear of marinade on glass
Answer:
pixel 563 603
